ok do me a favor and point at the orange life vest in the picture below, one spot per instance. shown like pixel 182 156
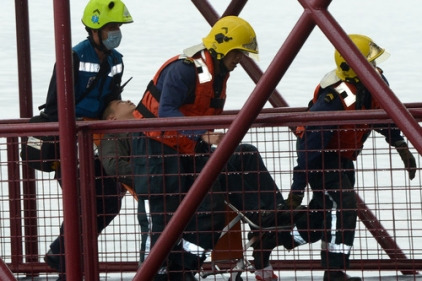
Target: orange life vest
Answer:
pixel 204 102
pixel 348 139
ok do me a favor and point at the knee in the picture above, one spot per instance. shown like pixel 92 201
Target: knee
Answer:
pixel 245 147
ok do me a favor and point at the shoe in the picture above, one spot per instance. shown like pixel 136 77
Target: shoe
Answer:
pixel 266 274
pixel 62 277
pixel 280 217
pixel 339 276
pixel 262 248
pixel 54 261
pixel 272 278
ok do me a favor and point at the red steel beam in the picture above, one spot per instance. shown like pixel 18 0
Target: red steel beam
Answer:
pixel 67 134
pixel 367 264
pixel 25 108
pixel 15 202
pixel 24 58
pixel 5 273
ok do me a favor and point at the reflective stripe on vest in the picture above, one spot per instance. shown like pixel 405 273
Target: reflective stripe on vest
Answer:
pixel 203 102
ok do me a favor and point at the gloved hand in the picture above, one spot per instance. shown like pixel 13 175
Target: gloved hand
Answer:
pixel 294 200
pixel 407 158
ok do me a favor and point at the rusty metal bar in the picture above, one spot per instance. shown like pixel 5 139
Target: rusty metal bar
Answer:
pixel 235 7
pixel 24 58
pixel 15 203
pixel 5 273
pixel 268 117
pixel 367 264
pixel 67 134
pixel 88 209
pixel 25 108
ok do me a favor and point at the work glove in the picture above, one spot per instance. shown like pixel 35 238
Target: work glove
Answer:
pixel 407 158
pixel 293 200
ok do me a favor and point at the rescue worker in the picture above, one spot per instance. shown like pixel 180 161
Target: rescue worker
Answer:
pixel 167 162
pixel 98 70
pixel 326 154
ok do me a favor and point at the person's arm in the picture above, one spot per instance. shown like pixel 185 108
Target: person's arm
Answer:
pixel 177 84
pixel 394 138
pixel 115 154
pixel 309 150
pixel 50 106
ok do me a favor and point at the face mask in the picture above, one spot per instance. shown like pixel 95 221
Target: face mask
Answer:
pixel 113 39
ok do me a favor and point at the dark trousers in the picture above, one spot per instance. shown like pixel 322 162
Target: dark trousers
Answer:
pixel 108 204
pixel 163 177
pixel 335 199
pixel 248 183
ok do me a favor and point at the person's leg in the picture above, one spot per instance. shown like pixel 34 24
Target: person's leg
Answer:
pixel 307 228
pixel 55 256
pixel 251 188
pixel 108 197
pixel 108 204
pixel 164 181
pixel 336 197
pixel 253 191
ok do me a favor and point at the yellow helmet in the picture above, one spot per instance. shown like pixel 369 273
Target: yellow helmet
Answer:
pixel 231 33
pixel 101 12
pixel 367 47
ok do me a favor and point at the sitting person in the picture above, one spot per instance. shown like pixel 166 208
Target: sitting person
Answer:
pixel 114 150
pixel 244 173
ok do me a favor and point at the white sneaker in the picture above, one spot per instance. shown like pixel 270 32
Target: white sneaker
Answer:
pixel 266 274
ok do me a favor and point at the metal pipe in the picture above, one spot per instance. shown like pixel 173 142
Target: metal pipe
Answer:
pixel 15 202
pixel 5 273
pixel 88 209
pixel 67 133
pixel 25 110
pixel 24 58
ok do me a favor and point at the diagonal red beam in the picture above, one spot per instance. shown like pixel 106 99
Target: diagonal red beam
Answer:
pixel 379 89
pixel 5 273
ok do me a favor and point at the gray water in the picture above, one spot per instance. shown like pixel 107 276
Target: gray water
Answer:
pixel 164 28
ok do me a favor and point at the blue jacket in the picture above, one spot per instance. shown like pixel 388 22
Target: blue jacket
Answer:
pixel 90 100
pixel 317 138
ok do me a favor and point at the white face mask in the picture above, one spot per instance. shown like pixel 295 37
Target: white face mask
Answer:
pixel 113 39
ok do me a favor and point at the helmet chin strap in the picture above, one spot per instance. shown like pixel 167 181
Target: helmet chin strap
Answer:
pixel 223 68
pixel 100 46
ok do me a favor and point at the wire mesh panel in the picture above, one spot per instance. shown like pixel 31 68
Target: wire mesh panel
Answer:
pixel 387 238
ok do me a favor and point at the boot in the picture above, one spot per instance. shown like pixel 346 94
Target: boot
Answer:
pixel 266 274
pixel 262 247
pixel 339 276
pixel 56 262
